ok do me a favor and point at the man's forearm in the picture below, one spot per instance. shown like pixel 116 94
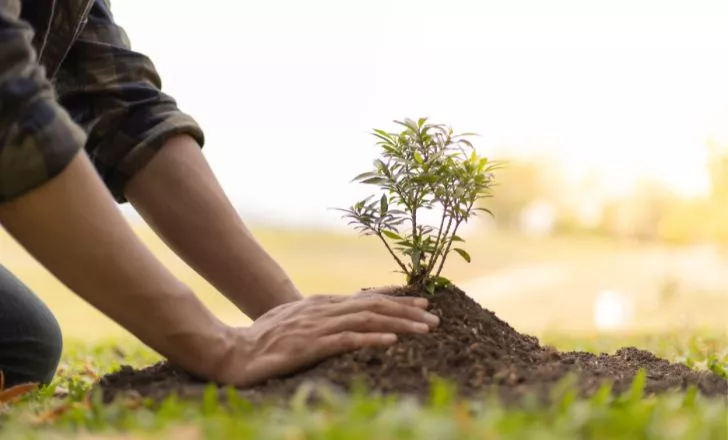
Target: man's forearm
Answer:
pixel 72 226
pixel 179 196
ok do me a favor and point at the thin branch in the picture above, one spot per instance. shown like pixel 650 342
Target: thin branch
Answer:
pixel 441 251
pixel 391 252
pixel 433 259
pixel 449 244
pixel 447 250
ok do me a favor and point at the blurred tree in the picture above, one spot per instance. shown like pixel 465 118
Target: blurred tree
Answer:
pixel 520 183
pixel 686 222
pixel 652 201
pixel 718 171
pixel 639 214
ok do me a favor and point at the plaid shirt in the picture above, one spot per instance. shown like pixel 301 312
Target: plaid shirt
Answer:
pixel 69 80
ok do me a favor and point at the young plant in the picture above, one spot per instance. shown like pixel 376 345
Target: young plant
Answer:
pixel 424 167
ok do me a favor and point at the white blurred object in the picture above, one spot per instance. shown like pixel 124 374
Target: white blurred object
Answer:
pixel 538 219
pixel 612 310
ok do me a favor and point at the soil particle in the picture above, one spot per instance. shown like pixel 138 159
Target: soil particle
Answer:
pixel 472 348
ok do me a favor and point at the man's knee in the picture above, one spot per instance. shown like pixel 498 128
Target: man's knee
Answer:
pixel 49 347
pixel 31 341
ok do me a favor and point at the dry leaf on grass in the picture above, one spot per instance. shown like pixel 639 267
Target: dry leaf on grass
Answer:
pixel 132 401
pixel 60 392
pixel 90 371
pixel 53 414
pixel 11 394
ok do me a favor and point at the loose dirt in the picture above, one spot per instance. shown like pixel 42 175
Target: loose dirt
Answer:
pixel 472 348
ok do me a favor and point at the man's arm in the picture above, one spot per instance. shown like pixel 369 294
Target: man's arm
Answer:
pixel 148 152
pixel 180 198
pixel 53 203
pixel 72 226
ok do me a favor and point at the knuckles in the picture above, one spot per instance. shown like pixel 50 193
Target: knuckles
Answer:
pixel 348 339
pixel 366 318
pixel 322 298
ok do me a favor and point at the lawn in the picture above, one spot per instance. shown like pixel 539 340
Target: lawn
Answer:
pixel 689 328
pixel 43 416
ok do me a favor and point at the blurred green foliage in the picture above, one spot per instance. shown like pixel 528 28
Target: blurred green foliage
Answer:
pixel 651 212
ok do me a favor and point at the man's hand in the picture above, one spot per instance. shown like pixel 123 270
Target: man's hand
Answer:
pixel 296 335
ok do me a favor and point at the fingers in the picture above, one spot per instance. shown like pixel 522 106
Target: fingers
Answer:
pixel 339 343
pixel 370 322
pixel 381 293
pixel 324 299
pixel 382 306
pixel 421 303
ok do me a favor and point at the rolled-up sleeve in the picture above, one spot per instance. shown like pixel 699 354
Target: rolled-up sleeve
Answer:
pixel 38 138
pixel 115 94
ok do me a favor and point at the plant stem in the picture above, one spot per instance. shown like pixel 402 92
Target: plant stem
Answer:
pixel 447 250
pixel 433 259
pixel 391 252
pixel 457 225
pixel 416 241
pixel 414 215
pixel 445 245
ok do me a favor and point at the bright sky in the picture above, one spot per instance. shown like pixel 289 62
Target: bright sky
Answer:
pixel 287 90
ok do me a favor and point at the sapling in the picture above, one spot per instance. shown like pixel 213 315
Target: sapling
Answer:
pixel 424 167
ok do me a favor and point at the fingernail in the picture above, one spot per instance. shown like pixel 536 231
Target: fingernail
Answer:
pixel 431 319
pixel 389 338
pixel 421 302
pixel 420 327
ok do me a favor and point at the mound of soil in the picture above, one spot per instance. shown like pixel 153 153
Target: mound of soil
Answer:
pixel 472 348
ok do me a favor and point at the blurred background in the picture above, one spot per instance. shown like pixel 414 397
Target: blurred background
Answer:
pixel 611 215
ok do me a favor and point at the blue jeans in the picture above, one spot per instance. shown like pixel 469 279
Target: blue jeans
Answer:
pixel 30 338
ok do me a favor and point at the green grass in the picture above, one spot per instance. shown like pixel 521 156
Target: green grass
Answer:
pixel 686 416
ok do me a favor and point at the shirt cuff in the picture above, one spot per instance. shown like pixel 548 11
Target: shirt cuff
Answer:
pixel 39 143
pixel 145 147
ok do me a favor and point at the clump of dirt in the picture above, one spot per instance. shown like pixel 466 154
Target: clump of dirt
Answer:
pixel 472 349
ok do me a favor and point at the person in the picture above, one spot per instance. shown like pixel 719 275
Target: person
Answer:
pixel 84 126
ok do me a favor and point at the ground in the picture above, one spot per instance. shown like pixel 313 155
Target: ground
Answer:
pixel 667 417
pixel 527 282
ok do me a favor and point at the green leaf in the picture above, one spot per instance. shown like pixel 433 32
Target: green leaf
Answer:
pixel 465 255
pixel 385 140
pixel 690 396
pixel 442 282
pixel 636 391
pixel 380 165
pixel 373 180
pixel 383 206
pixel 383 133
pixel 363 175
pixel 392 235
pixel 418 158
pixel 416 255
pixel 430 288
pixel 603 395
pixel 456 238
pixel 482 164
pixel 485 210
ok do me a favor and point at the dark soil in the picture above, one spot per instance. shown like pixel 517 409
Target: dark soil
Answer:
pixel 472 348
